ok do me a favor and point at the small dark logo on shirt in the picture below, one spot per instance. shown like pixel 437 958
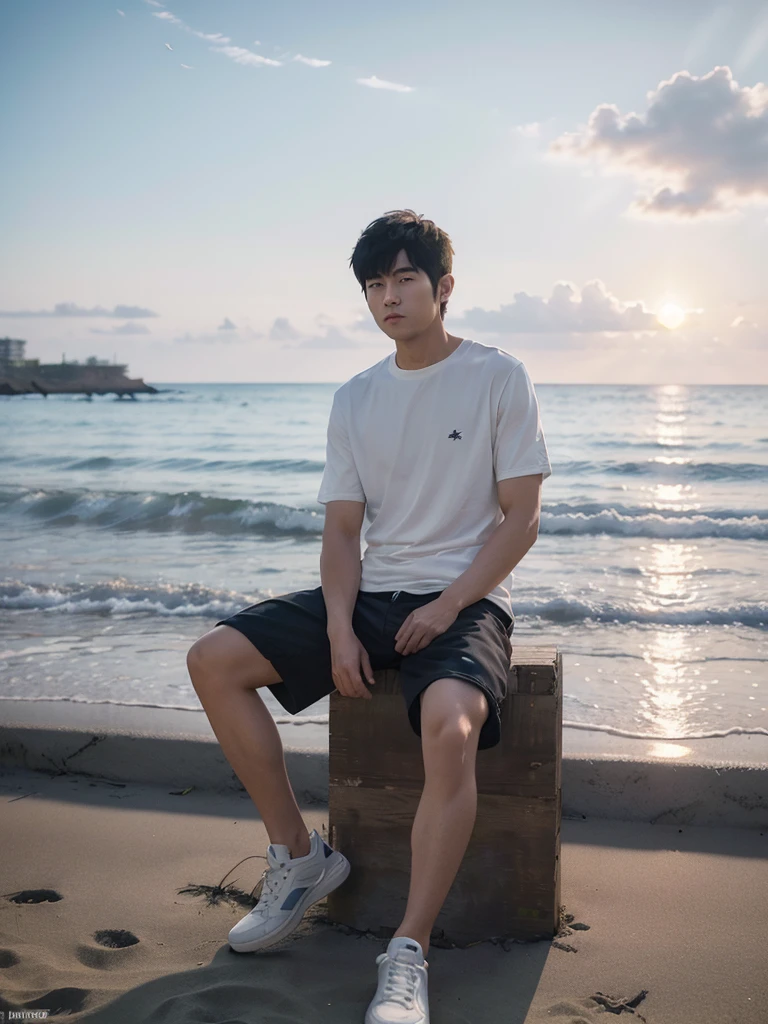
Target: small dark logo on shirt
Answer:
pixel 455 436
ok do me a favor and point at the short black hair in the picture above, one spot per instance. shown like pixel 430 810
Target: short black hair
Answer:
pixel 428 247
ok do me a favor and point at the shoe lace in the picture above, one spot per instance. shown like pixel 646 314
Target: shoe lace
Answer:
pixel 400 985
pixel 270 885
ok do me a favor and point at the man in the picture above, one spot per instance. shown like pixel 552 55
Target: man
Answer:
pixel 440 447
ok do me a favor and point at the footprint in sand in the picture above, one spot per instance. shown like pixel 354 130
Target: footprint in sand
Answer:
pixel 58 1001
pixel 62 1001
pixel 585 1011
pixel 110 949
pixel 115 938
pixel 35 896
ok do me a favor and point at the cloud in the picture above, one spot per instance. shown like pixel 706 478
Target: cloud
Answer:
pixel 333 339
pixel 167 16
pixel 365 323
pixel 211 37
pixel 701 147
pixel 593 309
pixel 171 19
pixel 203 339
pixel 126 328
pixel 528 131
pixel 378 83
pixel 242 56
pixel 189 67
pixel 168 46
pixel 121 13
pixel 72 309
pixel 282 330
pixel 223 335
pixel 747 334
pixel 227 332
pixel 154 3
pixel 313 62
pixel 332 335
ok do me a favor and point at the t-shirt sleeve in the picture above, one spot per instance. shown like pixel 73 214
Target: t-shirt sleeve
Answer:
pixel 519 448
pixel 340 478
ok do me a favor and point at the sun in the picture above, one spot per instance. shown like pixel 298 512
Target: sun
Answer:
pixel 671 315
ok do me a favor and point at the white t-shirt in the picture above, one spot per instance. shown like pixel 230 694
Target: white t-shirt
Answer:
pixel 424 449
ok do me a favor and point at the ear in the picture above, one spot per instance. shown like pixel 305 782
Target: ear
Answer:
pixel 445 287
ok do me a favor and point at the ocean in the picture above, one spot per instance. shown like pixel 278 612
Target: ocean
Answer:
pixel 128 528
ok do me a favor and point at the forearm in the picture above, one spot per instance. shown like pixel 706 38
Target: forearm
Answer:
pixel 495 560
pixel 340 573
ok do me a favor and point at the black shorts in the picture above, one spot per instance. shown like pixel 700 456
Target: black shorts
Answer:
pixel 290 631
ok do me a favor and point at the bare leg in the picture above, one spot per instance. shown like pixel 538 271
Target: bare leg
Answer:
pixel 223 672
pixel 452 716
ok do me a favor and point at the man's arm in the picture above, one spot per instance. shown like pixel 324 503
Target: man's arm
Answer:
pixel 340 568
pixel 520 501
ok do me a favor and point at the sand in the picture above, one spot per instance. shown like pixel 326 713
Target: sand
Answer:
pixel 667 920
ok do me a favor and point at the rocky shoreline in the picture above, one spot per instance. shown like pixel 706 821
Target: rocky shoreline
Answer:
pixel 77 379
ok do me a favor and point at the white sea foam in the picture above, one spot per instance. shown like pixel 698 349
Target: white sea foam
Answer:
pixel 193 512
pixel 121 597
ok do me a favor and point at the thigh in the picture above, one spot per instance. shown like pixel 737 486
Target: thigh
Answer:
pixel 291 632
pixel 477 648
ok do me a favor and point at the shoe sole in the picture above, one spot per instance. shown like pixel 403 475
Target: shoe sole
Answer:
pixel 330 881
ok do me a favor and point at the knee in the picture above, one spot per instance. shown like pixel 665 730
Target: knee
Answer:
pixel 446 732
pixel 448 754
pixel 199 659
pixel 449 721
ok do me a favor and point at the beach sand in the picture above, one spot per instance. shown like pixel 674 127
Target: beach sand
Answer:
pixel 669 920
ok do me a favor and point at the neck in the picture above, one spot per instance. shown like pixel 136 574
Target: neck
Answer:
pixel 426 348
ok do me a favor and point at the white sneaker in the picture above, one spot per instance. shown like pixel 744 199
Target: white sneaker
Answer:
pixel 401 995
pixel 291 886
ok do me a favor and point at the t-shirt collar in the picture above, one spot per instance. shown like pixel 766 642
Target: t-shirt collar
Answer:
pixel 426 371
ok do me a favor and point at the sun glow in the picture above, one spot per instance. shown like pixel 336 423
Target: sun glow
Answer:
pixel 671 315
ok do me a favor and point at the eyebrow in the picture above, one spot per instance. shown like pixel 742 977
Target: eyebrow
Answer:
pixel 400 270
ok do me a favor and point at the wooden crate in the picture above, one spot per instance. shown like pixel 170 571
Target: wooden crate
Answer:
pixel 508 885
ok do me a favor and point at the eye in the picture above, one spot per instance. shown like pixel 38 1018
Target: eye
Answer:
pixel 376 284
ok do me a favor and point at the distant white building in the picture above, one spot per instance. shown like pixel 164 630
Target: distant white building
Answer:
pixel 11 351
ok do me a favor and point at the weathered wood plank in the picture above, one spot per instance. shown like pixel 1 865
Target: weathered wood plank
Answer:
pixel 508 884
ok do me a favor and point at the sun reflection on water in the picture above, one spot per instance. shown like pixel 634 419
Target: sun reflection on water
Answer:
pixel 667 581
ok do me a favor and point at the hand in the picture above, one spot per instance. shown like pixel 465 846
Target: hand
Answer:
pixel 347 654
pixel 423 625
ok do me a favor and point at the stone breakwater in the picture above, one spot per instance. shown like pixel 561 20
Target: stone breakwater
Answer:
pixel 71 378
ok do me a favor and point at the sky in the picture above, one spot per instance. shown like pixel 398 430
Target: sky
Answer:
pixel 183 183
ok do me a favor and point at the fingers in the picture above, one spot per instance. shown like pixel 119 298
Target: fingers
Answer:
pixel 367 668
pixel 413 643
pixel 351 687
pixel 347 677
pixel 351 684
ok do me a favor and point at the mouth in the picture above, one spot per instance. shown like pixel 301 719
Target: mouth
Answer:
pixel 393 316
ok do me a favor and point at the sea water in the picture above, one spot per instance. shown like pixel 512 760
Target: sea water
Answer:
pixel 128 528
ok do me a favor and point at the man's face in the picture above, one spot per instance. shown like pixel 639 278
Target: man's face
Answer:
pixel 406 292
